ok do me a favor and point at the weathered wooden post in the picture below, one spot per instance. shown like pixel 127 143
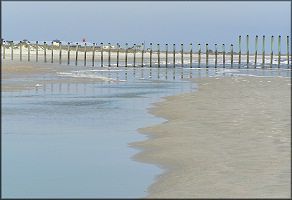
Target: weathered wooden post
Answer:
pixel 142 61
pixel 150 54
pixel 52 49
pixel 272 50
pixel 4 47
pixel 134 55
pixel 191 55
pixel 279 50
pixel 199 46
pixel 256 51
pixel 263 62
pixel 101 54
pixel 68 49
pixel 173 55
pixel 93 54
pixel 109 54
pixel 20 49
pixel 223 47
pixel 12 47
pixel 216 53
pixel 231 51
pixel 182 55
pixel 85 49
pixel 60 52
pixel 207 55
pixel 37 51
pixel 45 51
pixel 239 52
pixel 28 46
pixel 158 54
pixel 288 51
pixel 166 54
pixel 76 59
pixel 118 49
pixel 126 56
pixel 247 51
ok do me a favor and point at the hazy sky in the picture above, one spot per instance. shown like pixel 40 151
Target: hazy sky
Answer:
pixel 157 22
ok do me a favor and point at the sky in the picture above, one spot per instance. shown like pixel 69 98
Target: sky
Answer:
pixel 172 22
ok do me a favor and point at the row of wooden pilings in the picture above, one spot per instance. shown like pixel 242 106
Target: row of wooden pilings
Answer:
pixel 158 53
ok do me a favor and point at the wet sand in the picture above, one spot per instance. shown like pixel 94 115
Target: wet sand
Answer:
pixel 229 139
pixel 24 75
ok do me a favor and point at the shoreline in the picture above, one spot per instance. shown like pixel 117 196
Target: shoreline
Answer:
pixel 203 171
pixel 26 75
pixel 234 140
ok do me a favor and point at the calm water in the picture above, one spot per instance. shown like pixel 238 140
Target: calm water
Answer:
pixel 71 140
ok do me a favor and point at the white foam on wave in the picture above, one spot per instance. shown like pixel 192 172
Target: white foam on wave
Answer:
pixel 79 74
pixel 253 75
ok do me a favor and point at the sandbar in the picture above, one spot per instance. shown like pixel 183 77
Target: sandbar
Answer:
pixel 229 139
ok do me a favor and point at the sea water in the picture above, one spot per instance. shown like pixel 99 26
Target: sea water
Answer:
pixel 71 140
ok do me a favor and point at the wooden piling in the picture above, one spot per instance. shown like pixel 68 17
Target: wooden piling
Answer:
pixel 93 54
pixel 37 51
pixel 199 52
pixel 134 55
pixel 142 61
pixel 239 52
pixel 60 53
pixel 279 50
pixel 223 47
pixel 109 54
pixel 52 49
pixel 231 51
pixel 207 56
pixel 68 49
pixel 182 55
pixel 247 51
pixel 85 49
pixel 263 57
pixel 12 47
pixel 166 54
pixel 76 58
pixel 28 45
pixel 126 56
pixel 150 54
pixel 216 53
pixel 191 55
pixel 118 49
pixel 45 52
pixel 288 52
pixel 256 51
pixel 20 49
pixel 272 50
pixel 4 47
pixel 173 55
pixel 158 54
pixel 101 54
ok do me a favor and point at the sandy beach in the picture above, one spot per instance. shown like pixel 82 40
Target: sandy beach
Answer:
pixel 229 139
pixel 23 75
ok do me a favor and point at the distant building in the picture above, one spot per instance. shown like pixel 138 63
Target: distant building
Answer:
pixel 106 47
pixel 56 42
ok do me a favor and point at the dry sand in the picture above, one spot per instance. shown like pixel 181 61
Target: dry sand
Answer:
pixel 229 139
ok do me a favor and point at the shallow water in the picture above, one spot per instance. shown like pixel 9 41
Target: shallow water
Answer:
pixel 71 140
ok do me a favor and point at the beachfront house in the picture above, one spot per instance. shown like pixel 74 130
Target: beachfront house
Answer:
pixel 56 42
pixel 106 47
